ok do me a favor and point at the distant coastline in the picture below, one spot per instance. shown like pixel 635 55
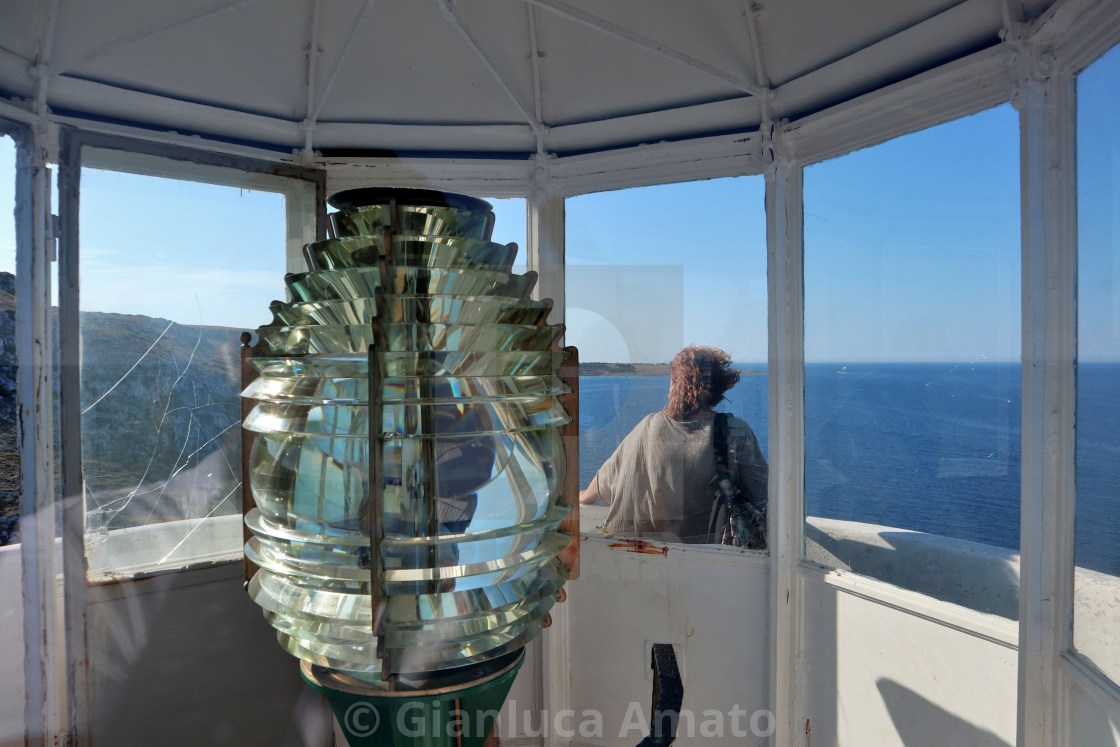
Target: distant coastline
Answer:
pixel 634 369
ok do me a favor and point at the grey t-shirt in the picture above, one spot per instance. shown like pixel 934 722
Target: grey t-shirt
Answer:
pixel 659 479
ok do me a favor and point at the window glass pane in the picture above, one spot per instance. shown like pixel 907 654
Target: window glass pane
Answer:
pixel 510 224
pixel 172 271
pixel 650 270
pixel 1097 544
pixel 9 445
pixel 912 379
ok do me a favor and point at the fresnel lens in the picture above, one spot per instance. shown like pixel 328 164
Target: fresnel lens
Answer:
pixel 408 463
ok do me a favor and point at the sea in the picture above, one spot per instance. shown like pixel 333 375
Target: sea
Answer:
pixel 932 447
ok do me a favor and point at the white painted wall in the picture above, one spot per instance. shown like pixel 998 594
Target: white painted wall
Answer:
pixel 980 577
pixel 876 674
pixel 880 665
pixel 709 602
pixel 1094 715
pixel 187 659
pixel 519 722
pixel 11 648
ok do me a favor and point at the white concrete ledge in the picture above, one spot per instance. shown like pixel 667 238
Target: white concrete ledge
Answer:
pixel 166 546
pixel 980 577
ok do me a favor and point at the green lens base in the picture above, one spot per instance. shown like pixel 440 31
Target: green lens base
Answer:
pixel 452 716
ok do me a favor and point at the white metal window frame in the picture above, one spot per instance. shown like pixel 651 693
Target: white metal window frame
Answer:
pixel 44 711
pixel 1036 70
pixel 67 702
pixel 1072 37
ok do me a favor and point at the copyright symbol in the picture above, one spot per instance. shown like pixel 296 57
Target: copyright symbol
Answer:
pixel 361 719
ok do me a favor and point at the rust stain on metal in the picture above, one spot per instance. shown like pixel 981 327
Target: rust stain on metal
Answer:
pixel 248 374
pixel 637 545
pixel 569 374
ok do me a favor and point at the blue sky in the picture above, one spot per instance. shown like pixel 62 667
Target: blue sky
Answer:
pixel 145 250
pixel 912 253
pixel 709 240
pixel 912 249
pixel 185 251
pixel 1098 206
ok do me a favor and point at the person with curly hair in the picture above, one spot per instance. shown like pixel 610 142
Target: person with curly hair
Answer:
pixel 659 482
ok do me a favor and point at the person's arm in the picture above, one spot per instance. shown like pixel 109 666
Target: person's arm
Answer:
pixel 631 445
pixel 591 494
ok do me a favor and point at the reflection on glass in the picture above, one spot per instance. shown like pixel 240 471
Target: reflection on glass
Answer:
pixel 407 363
pixel 421 251
pixel 404 420
pixel 414 308
pixel 310 389
pixel 460 549
pixel 420 220
pixel 1097 540
pixel 355 338
pixel 912 385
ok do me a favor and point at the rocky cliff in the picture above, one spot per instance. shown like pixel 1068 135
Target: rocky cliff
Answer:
pixel 9 448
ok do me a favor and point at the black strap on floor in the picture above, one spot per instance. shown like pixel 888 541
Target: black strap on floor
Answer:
pixel 668 693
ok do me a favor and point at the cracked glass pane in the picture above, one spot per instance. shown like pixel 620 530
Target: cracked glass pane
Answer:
pixel 172 272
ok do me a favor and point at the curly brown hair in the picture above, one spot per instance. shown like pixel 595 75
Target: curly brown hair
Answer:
pixel 698 377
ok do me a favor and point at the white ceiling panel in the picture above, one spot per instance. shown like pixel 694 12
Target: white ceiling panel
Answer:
pixel 13 68
pixel 587 75
pixel 19 27
pixel 712 31
pixel 450 76
pixel 501 28
pixel 107 102
pixel 411 65
pixel 955 32
pixel 800 36
pixel 241 58
pixel 346 28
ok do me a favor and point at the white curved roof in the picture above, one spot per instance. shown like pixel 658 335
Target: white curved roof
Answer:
pixel 482 76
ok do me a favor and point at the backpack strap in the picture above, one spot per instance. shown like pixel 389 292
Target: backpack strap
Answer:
pixel 719 443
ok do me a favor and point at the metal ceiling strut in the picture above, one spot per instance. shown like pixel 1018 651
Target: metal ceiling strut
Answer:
pixel 43 58
pixel 535 58
pixel 752 16
pixel 308 124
